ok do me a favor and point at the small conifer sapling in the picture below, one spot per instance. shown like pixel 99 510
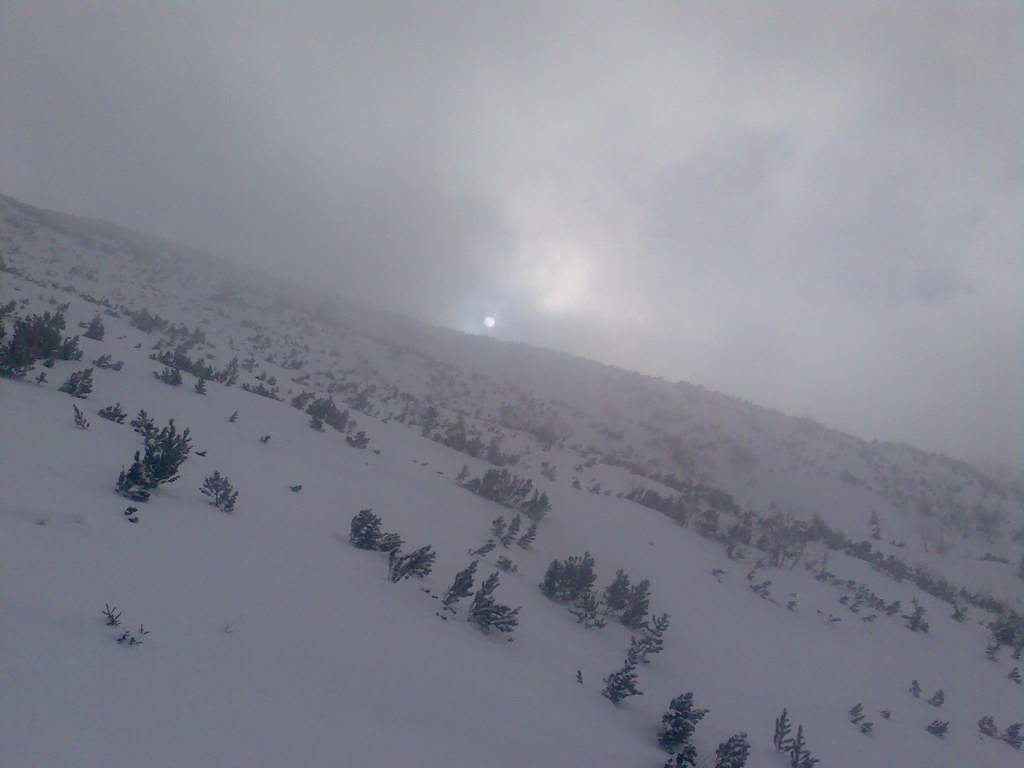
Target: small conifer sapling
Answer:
pixel 511 532
pixel 938 728
pixel 652 637
pixel 781 738
pixel 389 542
pixel 566 581
pixel 487 547
pixel 417 563
pixel 364 531
pixel 1014 735
pixel 95 331
pixel 915 620
pixel 143 425
pixel 734 752
pixel 112 615
pixel 489 614
pixel 220 491
pixel 80 421
pixel 168 375
pixel 622 683
pixel 528 538
pixel 165 451
pixel 616 595
pixel 78 384
pixel 461 587
pixel 113 413
pixel 677 727
pixel 987 727
pixel 799 754
pixel 585 608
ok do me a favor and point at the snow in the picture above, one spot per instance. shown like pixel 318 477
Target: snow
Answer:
pixel 274 642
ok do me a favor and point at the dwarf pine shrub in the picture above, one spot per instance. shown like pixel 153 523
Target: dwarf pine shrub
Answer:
pixel 78 384
pixel 220 491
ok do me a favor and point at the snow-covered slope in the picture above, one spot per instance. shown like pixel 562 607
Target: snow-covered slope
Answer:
pixel 275 642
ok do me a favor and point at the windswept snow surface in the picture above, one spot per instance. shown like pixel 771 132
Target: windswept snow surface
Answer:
pixel 274 642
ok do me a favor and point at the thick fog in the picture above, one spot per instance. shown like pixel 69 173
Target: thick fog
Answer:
pixel 816 207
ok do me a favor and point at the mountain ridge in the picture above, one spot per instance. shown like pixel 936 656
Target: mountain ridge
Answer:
pixel 662 479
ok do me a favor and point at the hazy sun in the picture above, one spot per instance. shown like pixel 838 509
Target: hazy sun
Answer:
pixel 489 321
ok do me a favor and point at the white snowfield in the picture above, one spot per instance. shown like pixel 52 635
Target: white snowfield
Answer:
pixel 274 642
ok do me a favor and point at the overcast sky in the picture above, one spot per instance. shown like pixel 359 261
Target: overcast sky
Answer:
pixel 816 207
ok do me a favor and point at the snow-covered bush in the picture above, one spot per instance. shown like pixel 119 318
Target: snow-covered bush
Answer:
pixel 678 725
pixel 80 421
pixel 938 728
pixel 734 752
pixel 512 491
pixel 651 639
pixel 112 615
pixel 487 613
pixel 221 493
pixel 416 563
pixel 461 587
pixel 323 411
pixel 1014 735
pixel 106 363
pixel 915 619
pixel 622 683
pixel 163 455
pixel 113 413
pixel 37 337
pixel 781 738
pixel 358 440
pixel 987 727
pixel 509 534
pixel 528 538
pixel 261 389
pixel 78 384
pixel 587 611
pixel 169 375
pixel 364 531
pixel 95 331
pixel 133 638
pixel 799 755
pixel 228 376
pixel 569 580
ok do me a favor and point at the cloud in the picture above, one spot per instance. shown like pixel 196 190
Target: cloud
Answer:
pixel 813 206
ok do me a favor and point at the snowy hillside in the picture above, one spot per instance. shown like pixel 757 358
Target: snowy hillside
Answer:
pixel 789 556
